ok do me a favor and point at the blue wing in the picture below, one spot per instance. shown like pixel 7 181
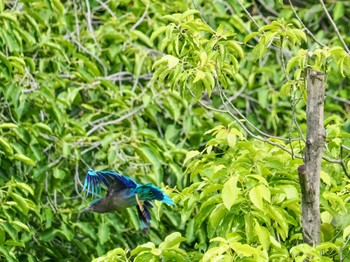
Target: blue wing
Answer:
pixel 151 192
pixel 111 180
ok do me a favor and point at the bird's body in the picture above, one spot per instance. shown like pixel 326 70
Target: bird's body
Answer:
pixel 123 192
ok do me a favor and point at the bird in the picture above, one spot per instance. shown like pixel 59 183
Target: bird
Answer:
pixel 122 192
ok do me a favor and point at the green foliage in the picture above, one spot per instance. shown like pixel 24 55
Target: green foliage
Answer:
pixel 197 54
pixel 140 87
pixel 248 198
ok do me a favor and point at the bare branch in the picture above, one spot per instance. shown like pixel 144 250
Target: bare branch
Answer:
pixel 269 9
pixel 107 9
pixel 89 21
pixel 140 20
pixel 88 52
pixel 334 26
pixel 304 26
pixel 116 121
pixel 77 28
pixel 77 180
pixel 248 14
pixel 206 106
pixel 340 99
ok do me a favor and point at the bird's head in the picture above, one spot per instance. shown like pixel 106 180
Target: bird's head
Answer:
pixel 95 206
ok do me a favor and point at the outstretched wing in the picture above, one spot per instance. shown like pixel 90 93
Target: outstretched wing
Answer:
pixel 151 192
pixel 111 180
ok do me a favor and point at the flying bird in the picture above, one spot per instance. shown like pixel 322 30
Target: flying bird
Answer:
pixel 123 192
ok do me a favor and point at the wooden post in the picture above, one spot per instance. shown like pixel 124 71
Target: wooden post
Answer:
pixel 309 173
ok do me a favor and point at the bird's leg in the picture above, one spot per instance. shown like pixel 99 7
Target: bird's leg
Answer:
pixel 139 203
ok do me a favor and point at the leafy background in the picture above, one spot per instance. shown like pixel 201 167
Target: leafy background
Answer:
pixel 205 99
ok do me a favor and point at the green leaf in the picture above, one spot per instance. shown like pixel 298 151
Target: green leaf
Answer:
pixel 172 241
pixel 172 61
pixel 9 16
pixel 292 63
pixel 157 32
pixel 8 125
pixel 325 177
pixel 190 155
pixel 20 225
pixel 24 159
pixel 43 127
pixel 217 215
pixel 25 187
pixel 231 139
pixel 59 174
pixel 263 235
pixel 346 232
pixel 230 192
pixel 21 202
pixel 189 13
pixel 237 47
pixel 6 146
pixel 263 98
pixel 103 233
pixel 2 236
pixel 248 37
pixel 144 38
pixel 256 198
pixel 338 11
pixel 199 76
pixel 58 6
pixel 244 249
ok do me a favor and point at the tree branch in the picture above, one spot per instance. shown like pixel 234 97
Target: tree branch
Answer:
pixel 334 26
pixel 309 173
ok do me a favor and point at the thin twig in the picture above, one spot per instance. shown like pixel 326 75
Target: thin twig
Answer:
pixel 248 14
pixel 224 99
pixel 304 26
pixel 89 53
pixel 94 145
pixel 77 28
pixel 263 139
pixel 245 119
pixel 107 9
pixel 206 106
pixel 334 26
pixel 340 99
pixel 140 19
pixel 269 9
pixel 77 180
pixel 116 121
pixel 89 21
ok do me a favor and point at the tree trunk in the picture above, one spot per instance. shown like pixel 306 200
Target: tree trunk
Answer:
pixel 309 173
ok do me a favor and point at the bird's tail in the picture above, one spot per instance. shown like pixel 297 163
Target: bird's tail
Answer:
pixel 145 215
pixel 151 192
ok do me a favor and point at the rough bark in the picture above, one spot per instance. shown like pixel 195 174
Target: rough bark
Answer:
pixel 309 173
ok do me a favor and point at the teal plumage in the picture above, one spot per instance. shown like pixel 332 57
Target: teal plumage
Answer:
pixel 123 192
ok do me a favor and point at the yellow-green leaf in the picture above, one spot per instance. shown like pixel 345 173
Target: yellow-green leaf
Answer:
pixel 25 187
pixel 231 139
pixel 21 202
pixel 172 61
pixel 8 125
pixel 230 192
pixel 24 159
pixel 190 155
pixel 6 146
pixel 21 225
pixel 256 198
pixel 199 76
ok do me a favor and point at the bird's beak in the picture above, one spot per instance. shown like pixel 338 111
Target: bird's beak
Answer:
pixel 85 210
